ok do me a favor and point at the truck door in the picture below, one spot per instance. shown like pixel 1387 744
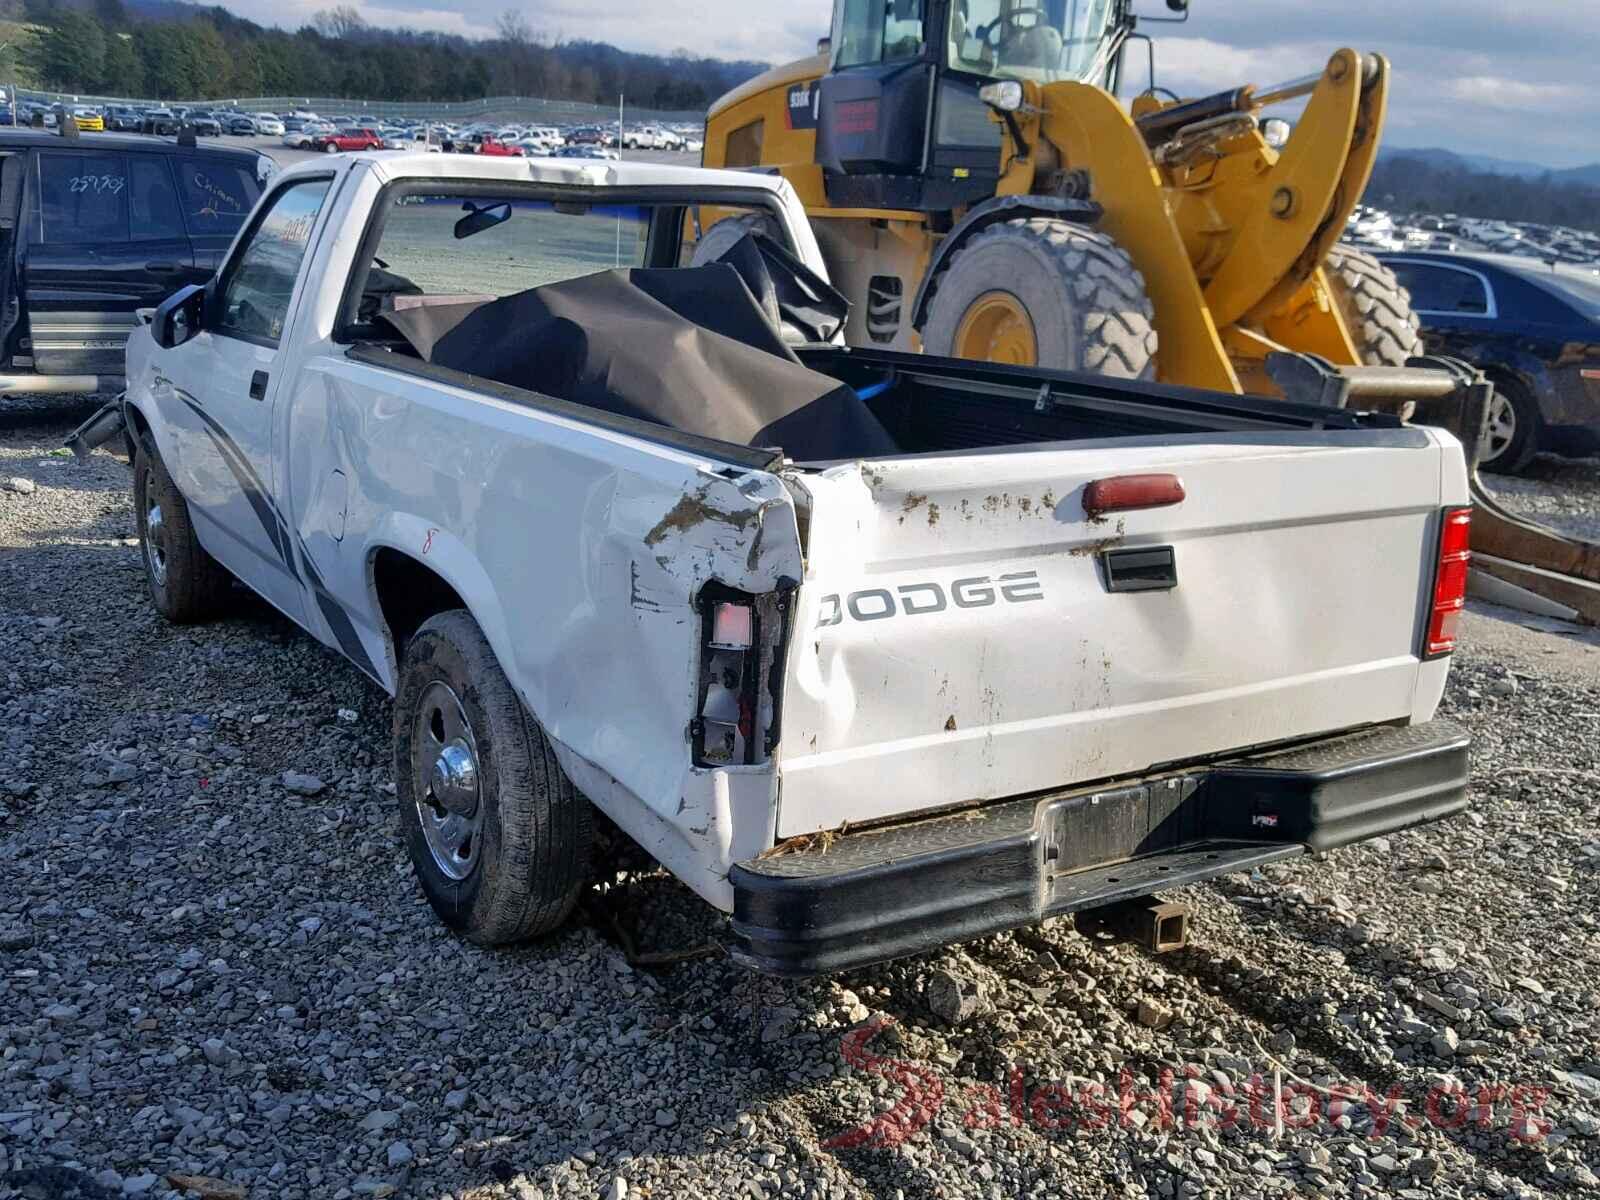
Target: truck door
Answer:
pixel 108 241
pixel 218 389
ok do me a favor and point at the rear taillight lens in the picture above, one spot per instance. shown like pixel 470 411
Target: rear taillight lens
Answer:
pixel 741 653
pixel 1449 582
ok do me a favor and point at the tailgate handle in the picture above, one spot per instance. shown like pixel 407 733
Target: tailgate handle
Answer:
pixel 258 385
pixel 1140 569
pixel 1124 493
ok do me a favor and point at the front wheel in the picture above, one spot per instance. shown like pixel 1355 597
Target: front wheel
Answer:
pixel 186 584
pixel 1047 293
pixel 330 148
pixel 498 836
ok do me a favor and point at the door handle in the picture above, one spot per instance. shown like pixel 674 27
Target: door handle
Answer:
pixel 163 268
pixel 258 385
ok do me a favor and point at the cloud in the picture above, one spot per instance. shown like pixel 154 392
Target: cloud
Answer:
pixel 1476 76
pixel 1517 95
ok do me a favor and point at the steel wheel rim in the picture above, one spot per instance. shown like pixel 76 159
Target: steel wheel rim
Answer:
pixel 996 328
pixel 155 541
pixel 446 781
pixel 1502 426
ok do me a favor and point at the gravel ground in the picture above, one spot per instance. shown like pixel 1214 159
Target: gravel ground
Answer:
pixel 1563 493
pixel 209 981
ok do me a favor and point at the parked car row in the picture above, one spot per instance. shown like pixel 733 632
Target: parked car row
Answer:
pixel 157 119
pixel 305 130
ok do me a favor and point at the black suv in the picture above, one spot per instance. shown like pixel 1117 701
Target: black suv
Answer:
pixel 122 119
pixel 203 123
pixel 95 228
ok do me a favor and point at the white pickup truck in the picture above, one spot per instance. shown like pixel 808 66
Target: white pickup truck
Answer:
pixel 873 651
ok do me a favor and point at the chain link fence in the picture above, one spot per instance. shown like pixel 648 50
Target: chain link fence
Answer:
pixel 523 109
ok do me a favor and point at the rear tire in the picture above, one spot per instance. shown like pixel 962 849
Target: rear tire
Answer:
pixel 186 584
pixel 1047 293
pixel 504 859
pixel 1376 308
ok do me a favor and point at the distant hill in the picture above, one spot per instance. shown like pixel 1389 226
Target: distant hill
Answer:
pixel 1487 164
pixel 1440 181
pixel 165 49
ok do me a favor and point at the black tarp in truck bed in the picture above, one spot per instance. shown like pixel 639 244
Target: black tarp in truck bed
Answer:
pixel 688 348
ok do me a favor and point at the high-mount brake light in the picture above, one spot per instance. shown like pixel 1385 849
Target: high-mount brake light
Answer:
pixel 1125 493
pixel 1449 582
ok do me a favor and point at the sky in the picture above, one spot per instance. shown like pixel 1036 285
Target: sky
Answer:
pixel 1508 78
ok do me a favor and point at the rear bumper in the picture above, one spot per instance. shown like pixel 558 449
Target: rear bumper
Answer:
pixel 909 888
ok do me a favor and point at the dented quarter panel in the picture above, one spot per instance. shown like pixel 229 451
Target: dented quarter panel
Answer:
pixel 1296 612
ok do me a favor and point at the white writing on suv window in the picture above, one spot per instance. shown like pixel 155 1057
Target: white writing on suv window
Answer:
pixel 96 183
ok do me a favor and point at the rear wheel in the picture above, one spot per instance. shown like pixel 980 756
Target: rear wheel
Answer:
pixel 1047 293
pixel 498 836
pixel 1512 437
pixel 1376 309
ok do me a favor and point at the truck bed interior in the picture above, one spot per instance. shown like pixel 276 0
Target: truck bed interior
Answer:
pixel 693 351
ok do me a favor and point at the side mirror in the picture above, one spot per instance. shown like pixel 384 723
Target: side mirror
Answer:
pixel 179 317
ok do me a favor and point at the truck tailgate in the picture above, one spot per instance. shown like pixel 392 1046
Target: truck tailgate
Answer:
pixel 956 639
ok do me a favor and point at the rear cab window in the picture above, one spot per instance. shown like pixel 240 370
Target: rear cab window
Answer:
pixel 427 252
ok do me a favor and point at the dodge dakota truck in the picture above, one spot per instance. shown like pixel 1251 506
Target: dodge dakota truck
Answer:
pixel 873 651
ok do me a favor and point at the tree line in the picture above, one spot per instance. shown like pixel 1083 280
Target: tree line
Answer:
pixel 177 51
pixel 1405 184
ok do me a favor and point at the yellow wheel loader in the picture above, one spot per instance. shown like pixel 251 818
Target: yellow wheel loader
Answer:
pixel 978 191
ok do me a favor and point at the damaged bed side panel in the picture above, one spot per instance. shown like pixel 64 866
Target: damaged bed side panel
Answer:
pixel 580 552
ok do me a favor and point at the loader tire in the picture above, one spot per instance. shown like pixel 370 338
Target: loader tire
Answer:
pixel 722 235
pixel 1376 308
pixel 1045 293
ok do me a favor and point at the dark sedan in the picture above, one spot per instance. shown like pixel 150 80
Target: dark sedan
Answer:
pixel 239 124
pixel 1534 330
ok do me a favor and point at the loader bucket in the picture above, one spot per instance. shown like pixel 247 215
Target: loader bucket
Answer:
pixel 1454 396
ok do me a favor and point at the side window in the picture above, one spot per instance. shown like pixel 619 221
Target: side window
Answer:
pixel 259 281
pixel 217 197
pixel 83 197
pixel 873 31
pixel 1442 289
pixel 152 200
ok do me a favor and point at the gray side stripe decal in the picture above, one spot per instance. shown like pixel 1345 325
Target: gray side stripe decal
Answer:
pixel 249 482
pixel 339 622
pixel 344 629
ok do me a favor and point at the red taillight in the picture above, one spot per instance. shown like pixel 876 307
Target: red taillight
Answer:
pixel 1122 493
pixel 1449 582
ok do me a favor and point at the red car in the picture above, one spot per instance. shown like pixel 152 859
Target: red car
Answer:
pixel 349 139
pixel 487 143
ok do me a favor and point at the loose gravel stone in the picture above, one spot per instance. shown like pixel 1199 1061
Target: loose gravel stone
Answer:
pixel 208 974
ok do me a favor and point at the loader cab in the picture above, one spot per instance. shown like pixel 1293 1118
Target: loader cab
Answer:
pixel 899 121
